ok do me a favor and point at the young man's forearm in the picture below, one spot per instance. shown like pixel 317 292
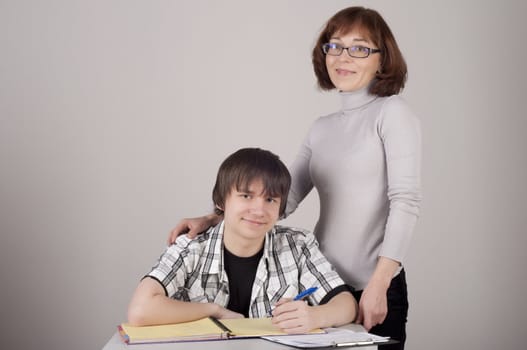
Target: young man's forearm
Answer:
pixel 150 306
pixel 162 310
pixel 340 310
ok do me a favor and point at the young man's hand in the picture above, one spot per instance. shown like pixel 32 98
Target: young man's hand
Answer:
pixel 294 316
pixel 222 312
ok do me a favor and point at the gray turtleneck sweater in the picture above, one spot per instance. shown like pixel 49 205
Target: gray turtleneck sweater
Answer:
pixel 365 163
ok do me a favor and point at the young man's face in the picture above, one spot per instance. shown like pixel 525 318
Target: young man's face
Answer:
pixel 250 214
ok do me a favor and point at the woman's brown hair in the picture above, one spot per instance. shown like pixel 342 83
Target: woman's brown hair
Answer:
pixel 391 78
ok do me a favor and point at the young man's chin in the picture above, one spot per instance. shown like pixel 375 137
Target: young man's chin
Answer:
pixel 255 232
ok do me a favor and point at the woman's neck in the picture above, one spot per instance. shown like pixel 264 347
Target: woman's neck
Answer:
pixel 356 99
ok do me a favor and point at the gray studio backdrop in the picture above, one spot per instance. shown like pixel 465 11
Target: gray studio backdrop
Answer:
pixel 114 116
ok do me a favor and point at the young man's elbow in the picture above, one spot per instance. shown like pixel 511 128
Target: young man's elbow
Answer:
pixel 137 315
pixel 353 307
pixel 349 307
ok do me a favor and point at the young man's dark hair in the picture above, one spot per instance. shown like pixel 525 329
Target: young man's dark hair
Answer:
pixel 246 165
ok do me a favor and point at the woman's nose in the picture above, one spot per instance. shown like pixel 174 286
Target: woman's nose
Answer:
pixel 344 56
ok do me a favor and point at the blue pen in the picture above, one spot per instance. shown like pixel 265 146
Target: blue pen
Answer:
pixel 305 293
pixel 300 296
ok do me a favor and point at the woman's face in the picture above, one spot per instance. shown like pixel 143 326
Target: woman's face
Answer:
pixel 348 73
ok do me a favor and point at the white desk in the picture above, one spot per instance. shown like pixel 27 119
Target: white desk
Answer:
pixel 115 343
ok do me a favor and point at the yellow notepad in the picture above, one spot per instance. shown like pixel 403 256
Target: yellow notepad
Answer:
pixel 204 329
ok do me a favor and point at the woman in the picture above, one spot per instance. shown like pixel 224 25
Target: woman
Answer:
pixel 364 161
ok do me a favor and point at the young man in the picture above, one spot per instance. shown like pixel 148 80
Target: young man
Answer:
pixel 246 265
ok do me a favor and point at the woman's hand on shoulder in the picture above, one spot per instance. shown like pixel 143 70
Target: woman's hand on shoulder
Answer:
pixel 192 226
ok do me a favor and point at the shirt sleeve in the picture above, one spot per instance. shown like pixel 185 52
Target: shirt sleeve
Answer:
pixel 171 269
pixel 336 291
pixel 317 271
pixel 400 132
pixel 301 183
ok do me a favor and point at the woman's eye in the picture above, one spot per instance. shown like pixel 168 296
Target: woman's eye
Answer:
pixel 360 49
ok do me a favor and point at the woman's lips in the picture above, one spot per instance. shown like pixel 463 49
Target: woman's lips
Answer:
pixel 341 71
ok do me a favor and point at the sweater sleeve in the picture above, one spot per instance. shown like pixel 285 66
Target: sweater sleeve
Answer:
pixel 301 183
pixel 400 132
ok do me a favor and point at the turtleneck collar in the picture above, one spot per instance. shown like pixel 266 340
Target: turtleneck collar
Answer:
pixel 356 99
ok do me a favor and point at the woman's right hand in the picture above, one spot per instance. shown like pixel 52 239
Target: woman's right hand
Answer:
pixel 192 226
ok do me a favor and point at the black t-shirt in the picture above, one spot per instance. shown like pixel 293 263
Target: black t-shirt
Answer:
pixel 241 273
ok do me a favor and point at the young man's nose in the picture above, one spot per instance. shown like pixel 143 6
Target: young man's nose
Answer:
pixel 257 205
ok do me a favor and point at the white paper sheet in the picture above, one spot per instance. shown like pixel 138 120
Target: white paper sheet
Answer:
pixel 334 337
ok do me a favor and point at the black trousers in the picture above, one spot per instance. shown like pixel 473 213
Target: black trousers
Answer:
pixel 394 325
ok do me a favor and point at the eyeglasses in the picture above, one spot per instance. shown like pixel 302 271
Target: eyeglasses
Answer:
pixel 357 51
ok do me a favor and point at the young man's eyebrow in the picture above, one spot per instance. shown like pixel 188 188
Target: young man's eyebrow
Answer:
pixel 263 193
pixel 244 190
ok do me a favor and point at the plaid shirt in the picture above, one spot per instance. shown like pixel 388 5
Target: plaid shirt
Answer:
pixel 193 270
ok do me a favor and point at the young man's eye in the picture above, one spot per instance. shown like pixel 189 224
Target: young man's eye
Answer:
pixel 272 200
